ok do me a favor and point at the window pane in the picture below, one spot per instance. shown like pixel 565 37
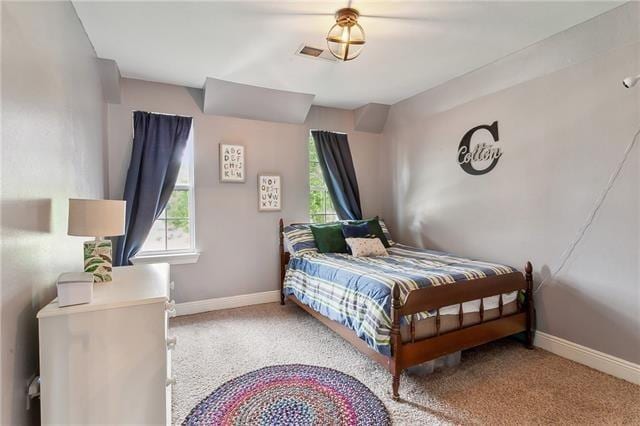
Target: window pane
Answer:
pixel 155 240
pixel 316 205
pixel 178 234
pixel 316 180
pixel 324 202
pixel 183 175
pixel 178 205
pixel 330 208
pixel 321 208
pixel 313 155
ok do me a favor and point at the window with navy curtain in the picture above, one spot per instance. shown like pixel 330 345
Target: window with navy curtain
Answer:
pixel 334 157
pixel 159 141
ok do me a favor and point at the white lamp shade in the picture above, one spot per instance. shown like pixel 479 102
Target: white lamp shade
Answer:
pixel 96 218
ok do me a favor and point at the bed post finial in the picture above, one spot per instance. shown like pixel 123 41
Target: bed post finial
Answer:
pixel 283 260
pixel 396 341
pixel 528 269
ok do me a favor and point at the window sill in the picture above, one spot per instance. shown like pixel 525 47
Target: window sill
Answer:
pixel 171 258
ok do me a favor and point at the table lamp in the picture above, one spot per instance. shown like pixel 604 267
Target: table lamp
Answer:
pixel 99 219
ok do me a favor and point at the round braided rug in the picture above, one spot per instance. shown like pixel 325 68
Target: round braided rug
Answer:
pixel 291 395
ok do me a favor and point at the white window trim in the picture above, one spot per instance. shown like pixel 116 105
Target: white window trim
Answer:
pixel 183 256
pixel 174 257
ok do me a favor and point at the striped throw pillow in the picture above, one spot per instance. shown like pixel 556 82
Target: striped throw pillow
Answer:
pixel 300 240
pixel 386 233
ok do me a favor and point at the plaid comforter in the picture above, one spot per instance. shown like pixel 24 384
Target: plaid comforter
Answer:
pixel 356 291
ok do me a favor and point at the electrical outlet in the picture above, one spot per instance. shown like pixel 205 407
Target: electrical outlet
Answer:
pixel 33 389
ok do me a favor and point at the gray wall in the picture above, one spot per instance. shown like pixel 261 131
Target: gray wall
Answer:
pixel 563 130
pixel 239 245
pixel 52 149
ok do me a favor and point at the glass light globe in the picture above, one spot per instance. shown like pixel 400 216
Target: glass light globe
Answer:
pixel 346 38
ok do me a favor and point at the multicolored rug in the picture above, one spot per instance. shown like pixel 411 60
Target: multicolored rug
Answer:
pixel 291 395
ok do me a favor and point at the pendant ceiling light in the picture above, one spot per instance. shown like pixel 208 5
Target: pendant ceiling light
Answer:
pixel 346 38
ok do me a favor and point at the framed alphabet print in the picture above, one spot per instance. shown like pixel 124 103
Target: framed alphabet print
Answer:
pixel 232 163
pixel 269 193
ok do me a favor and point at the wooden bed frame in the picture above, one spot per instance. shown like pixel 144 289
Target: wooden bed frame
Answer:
pixel 417 351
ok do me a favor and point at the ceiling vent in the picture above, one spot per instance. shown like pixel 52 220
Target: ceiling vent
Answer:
pixel 315 53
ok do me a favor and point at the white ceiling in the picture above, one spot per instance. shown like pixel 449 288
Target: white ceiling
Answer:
pixel 411 46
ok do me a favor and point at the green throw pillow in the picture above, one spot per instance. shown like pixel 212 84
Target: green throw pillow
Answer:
pixel 329 238
pixel 374 229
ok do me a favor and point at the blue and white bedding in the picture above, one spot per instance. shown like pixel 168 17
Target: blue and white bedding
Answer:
pixel 356 291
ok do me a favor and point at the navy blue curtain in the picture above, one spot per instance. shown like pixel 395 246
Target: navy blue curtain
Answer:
pixel 339 175
pixel 158 145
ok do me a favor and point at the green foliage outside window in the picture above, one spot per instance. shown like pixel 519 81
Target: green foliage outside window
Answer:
pixel 320 205
pixel 177 210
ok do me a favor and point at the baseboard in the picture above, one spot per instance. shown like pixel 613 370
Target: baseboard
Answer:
pixel 190 308
pixel 590 357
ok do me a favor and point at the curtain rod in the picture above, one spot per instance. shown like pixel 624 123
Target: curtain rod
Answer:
pixel 163 113
pixel 332 131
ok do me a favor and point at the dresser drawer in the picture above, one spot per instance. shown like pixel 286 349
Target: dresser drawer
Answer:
pixel 107 362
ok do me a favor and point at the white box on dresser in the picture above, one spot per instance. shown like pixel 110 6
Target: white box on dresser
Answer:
pixel 109 361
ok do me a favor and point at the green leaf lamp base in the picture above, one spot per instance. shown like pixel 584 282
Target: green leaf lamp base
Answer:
pixel 97 259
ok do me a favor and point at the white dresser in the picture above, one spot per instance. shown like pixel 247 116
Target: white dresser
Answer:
pixel 109 362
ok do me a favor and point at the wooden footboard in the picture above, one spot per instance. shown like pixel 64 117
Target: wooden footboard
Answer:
pixel 417 351
pixel 414 352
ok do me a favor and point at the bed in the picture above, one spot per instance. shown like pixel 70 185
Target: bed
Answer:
pixel 412 306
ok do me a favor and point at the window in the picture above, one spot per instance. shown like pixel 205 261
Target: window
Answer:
pixel 320 205
pixel 173 232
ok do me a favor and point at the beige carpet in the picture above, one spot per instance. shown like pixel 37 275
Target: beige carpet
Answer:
pixel 500 383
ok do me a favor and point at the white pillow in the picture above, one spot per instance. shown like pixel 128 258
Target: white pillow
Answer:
pixel 366 247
